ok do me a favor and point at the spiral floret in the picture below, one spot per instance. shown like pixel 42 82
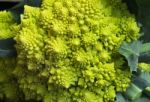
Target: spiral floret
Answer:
pixel 67 48
pixel 7 25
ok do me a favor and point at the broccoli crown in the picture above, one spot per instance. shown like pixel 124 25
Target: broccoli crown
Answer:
pixel 144 66
pixel 67 50
pixel 8 86
pixel 7 25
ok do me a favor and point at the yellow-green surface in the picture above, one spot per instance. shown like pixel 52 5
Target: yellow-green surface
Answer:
pixel 67 50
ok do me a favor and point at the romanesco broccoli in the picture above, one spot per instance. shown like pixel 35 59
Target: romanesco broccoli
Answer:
pixel 8 86
pixel 67 50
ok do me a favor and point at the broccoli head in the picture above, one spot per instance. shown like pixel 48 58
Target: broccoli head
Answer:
pixel 67 50
pixel 8 86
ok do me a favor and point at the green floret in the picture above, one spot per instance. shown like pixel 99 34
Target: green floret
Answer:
pixel 30 41
pixel 144 67
pixel 8 86
pixel 66 50
pixel 63 77
pixel 109 94
pixel 7 25
pixel 57 46
pixel 9 90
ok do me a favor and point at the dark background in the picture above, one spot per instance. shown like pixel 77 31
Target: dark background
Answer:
pixel 7 5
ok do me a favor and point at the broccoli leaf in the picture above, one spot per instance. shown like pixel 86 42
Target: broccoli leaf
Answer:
pixel 7 48
pixel 145 47
pixel 131 53
pixel 145 57
pixel 145 76
pixel 140 83
pixel 120 98
pixel 142 99
pixel 145 53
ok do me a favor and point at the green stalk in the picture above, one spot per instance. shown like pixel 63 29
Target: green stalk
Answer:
pixel 147 91
pixel 133 92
